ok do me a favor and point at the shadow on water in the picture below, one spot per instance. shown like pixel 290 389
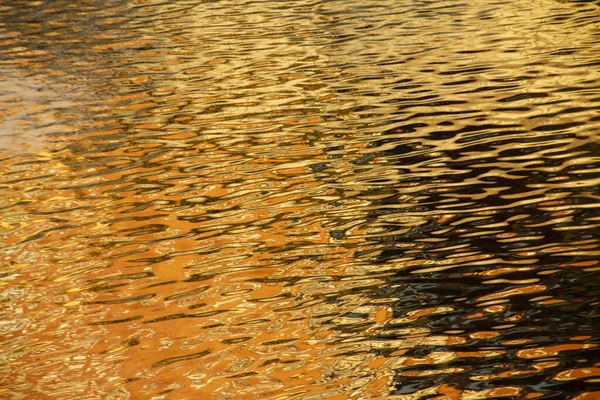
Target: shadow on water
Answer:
pixel 485 212
pixel 300 200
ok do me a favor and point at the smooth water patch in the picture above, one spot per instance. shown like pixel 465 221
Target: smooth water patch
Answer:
pixel 32 109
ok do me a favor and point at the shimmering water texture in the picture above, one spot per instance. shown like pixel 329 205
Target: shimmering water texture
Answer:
pixel 299 200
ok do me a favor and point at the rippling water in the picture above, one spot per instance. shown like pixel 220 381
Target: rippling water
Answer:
pixel 300 199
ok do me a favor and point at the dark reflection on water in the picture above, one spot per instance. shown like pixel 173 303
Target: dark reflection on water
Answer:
pixel 307 200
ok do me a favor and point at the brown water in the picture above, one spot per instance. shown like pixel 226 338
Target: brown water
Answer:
pixel 300 199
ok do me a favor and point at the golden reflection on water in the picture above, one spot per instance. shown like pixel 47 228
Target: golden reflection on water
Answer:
pixel 312 200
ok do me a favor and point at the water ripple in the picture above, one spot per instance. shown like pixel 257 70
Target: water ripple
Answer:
pixel 299 200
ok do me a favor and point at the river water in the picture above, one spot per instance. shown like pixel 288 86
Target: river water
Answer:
pixel 300 199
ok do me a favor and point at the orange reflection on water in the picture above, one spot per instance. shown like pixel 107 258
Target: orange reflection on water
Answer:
pixel 307 200
pixel 549 351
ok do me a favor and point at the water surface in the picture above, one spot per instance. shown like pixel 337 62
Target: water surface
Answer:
pixel 299 199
